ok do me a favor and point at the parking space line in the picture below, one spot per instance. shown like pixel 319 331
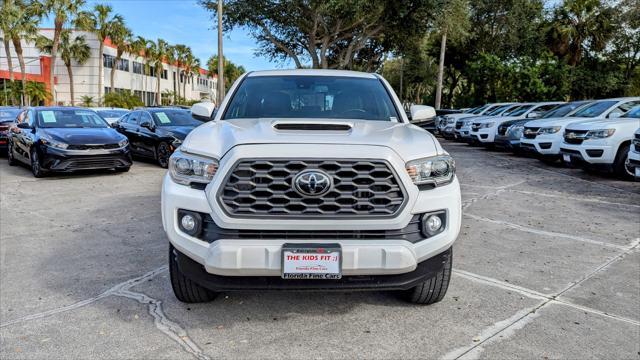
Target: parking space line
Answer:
pixel 572 198
pixel 525 316
pixel 496 192
pixel 546 233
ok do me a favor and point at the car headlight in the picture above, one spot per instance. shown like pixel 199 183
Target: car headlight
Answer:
pixel 188 168
pixel 46 139
pixel 517 130
pixel 437 170
pixel 549 130
pixel 487 125
pixel 123 142
pixel 599 134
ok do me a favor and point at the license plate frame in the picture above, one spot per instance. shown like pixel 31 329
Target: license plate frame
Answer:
pixel 566 158
pixel 314 267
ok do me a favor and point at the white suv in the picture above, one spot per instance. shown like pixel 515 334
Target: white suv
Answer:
pixel 601 143
pixel 633 159
pixel 463 125
pixel 311 179
pixel 546 135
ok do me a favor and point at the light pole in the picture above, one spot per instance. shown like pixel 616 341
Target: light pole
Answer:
pixel 220 57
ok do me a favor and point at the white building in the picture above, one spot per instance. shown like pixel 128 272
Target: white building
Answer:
pixel 129 74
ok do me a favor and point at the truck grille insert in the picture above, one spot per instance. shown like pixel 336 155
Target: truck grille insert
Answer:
pixel 575 137
pixel 530 132
pixel 264 188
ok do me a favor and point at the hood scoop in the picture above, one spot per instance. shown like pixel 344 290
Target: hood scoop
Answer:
pixel 311 126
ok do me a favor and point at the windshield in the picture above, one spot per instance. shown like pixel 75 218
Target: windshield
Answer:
pixel 595 109
pixel 70 118
pixel 111 114
pixel 334 97
pixel 480 109
pixel 9 114
pixel 470 111
pixel 633 113
pixel 498 110
pixel 562 110
pixel 518 110
pixel 174 117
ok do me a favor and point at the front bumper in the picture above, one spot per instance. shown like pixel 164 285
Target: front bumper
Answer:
pixel 423 271
pixel 60 160
pixel 543 144
pixel 261 257
pixel 633 162
pixel 485 135
pixel 596 152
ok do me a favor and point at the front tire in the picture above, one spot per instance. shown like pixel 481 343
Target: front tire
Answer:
pixel 184 288
pixel 619 166
pixel 434 289
pixel 36 168
pixel 12 160
pixel 162 154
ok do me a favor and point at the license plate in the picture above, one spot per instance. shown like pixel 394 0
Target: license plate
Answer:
pixel 566 157
pixel 311 261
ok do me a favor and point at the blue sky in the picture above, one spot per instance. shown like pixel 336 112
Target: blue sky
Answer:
pixel 185 22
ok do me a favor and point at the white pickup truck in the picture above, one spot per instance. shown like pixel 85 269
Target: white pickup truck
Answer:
pixel 601 144
pixel 307 180
pixel 633 158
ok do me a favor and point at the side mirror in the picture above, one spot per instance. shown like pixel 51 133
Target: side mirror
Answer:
pixel 23 125
pixel 533 114
pixel 204 111
pixel 422 112
pixel 614 115
pixel 148 125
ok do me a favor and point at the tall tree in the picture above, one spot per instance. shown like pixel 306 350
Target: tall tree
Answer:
pixel 121 38
pixel 579 26
pixel 7 15
pixel 191 66
pixel 21 24
pixel 157 54
pixel 231 70
pixel 76 50
pixel 101 22
pixel 181 52
pixel 138 47
pixel 62 11
pixel 452 23
pixel 329 34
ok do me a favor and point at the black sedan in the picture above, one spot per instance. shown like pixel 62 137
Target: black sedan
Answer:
pixel 8 116
pixel 65 139
pixel 155 133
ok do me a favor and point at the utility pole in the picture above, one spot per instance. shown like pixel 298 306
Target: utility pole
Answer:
pixel 221 89
pixel 401 76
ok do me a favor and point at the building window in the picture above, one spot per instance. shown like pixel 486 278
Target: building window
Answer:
pixel 108 60
pixel 164 74
pixel 152 71
pixel 138 68
pixel 123 65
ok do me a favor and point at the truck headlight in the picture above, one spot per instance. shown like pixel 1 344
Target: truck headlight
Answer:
pixel 46 139
pixel 599 134
pixel 187 168
pixel 437 170
pixel 487 125
pixel 549 130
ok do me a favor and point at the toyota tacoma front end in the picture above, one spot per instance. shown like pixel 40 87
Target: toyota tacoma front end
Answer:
pixel 311 180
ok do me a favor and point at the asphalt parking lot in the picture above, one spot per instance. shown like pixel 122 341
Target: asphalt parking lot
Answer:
pixel 546 266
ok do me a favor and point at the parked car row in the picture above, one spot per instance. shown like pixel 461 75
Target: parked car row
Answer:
pixel 595 134
pixel 67 139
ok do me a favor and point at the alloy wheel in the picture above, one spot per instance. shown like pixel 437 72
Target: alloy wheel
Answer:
pixel 163 155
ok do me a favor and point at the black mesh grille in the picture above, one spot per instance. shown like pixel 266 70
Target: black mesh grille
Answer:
pixel 263 187
pixel 458 124
pixel 312 127
pixel 530 132
pixel 92 163
pixel 93 147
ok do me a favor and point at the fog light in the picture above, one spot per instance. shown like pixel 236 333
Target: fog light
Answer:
pixel 434 223
pixel 190 222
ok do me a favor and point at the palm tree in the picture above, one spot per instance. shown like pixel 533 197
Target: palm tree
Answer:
pixel 181 53
pixel 7 14
pixel 70 51
pixel 62 12
pixel 172 59
pixel 121 38
pixel 86 100
pixel 100 21
pixel 578 24
pixel 158 52
pixel 138 47
pixel 191 66
pixel 21 24
pixel 36 92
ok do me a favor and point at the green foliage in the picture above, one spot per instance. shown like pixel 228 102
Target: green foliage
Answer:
pixel 231 70
pixel 86 101
pixel 36 93
pixel 122 99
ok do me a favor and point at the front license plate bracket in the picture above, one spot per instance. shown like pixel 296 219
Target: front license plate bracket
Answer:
pixel 311 261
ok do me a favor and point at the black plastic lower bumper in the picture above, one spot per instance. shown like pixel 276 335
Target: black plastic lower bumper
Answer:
pixel 424 271
pixel 59 160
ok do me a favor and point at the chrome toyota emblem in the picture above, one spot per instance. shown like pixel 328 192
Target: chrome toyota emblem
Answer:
pixel 312 183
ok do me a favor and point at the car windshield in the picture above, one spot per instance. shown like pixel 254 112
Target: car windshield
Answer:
pixel 9 114
pixel 561 111
pixel 480 109
pixel 595 109
pixel 633 113
pixel 498 110
pixel 70 118
pixel 470 111
pixel 174 117
pixel 334 97
pixel 518 110
pixel 111 114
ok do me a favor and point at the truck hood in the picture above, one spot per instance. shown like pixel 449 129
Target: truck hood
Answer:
pixel 216 138
pixel 563 121
pixel 605 123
